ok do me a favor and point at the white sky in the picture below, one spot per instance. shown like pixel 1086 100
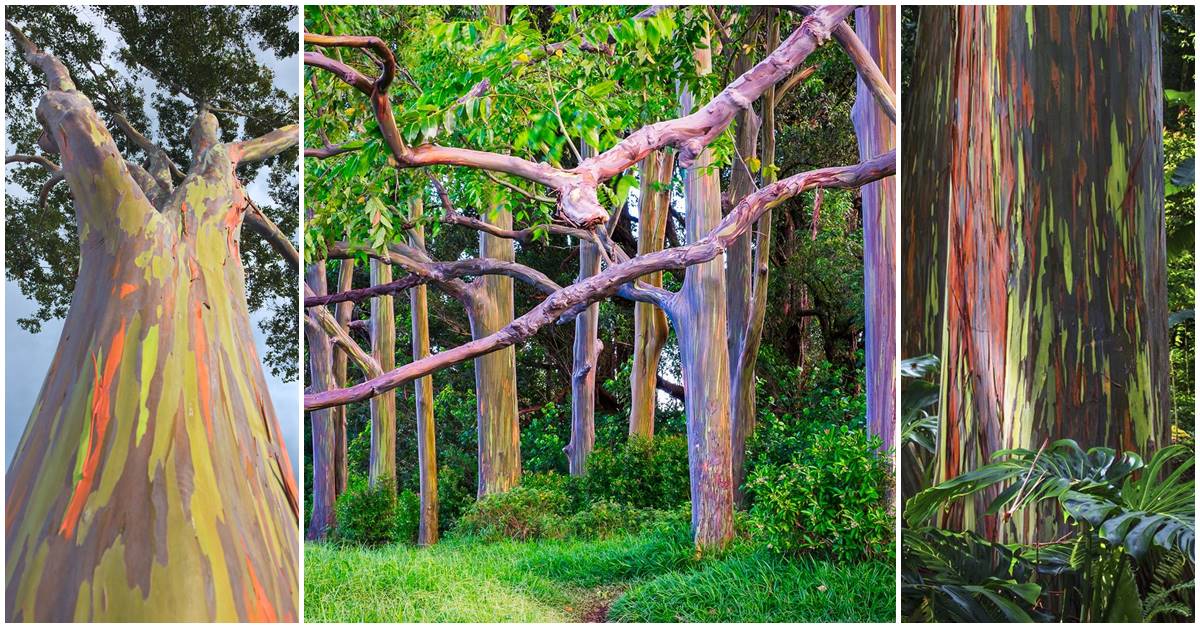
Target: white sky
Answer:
pixel 28 356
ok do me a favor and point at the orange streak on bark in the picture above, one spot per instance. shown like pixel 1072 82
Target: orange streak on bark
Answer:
pixel 261 610
pixel 101 413
pixel 127 289
pixel 201 349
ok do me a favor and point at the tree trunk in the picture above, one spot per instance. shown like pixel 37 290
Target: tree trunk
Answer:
pixel 876 27
pixel 649 321
pixel 583 370
pixel 700 325
pixel 343 312
pixel 491 308
pixel 496 373
pixel 739 279
pixel 1055 298
pixel 151 482
pixel 427 531
pixel 322 519
pixel 383 406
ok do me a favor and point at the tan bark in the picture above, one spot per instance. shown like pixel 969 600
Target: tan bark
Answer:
pixel 649 322
pixel 383 407
pixel 427 533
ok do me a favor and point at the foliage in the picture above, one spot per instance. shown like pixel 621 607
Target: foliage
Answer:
pixel 1127 517
pixel 828 500
pixel 376 515
pixel 643 473
pixel 521 513
pixel 543 439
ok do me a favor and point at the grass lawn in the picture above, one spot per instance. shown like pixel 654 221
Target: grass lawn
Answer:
pixel 651 577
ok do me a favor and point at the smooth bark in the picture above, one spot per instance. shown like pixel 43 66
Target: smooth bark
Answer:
pixel 427 529
pixel 383 407
pixel 649 321
pixel 585 349
pixel 323 428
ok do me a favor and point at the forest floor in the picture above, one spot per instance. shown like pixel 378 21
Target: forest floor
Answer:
pixel 645 578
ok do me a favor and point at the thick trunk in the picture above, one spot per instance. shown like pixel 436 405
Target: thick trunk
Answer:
pixel 427 532
pixel 496 373
pixel 649 321
pixel 584 352
pixel 343 312
pixel 876 27
pixel 383 406
pixel 1055 308
pixel 322 519
pixel 151 482
pixel 700 325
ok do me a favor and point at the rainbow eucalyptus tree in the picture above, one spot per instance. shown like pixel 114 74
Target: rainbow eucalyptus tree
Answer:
pixel 151 482
pixel 1046 156
pixel 697 310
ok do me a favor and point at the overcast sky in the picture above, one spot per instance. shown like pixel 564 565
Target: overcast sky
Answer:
pixel 28 356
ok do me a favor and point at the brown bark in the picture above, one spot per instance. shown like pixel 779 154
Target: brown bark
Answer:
pixel 649 321
pixel 323 518
pixel 342 314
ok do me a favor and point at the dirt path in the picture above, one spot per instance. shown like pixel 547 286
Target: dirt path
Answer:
pixel 593 606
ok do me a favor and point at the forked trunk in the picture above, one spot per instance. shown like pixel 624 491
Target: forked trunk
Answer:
pixel 151 482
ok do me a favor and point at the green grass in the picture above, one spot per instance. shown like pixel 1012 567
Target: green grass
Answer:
pixel 652 577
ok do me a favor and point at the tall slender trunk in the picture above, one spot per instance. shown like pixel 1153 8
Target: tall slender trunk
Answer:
pixel 343 312
pixel 491 308
pixel 383 407
pixel 323 517
pixel 1054 302
pixel 427 529
pixel 151 482
pixel 699 320
pixel 876 27
pixel 649 322
pixel 583 370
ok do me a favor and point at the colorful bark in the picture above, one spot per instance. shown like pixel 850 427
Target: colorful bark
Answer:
pixel 323 430
pixel 700 324
pixel 151 482
pixel 496 373
pixel 342 314
pixel 739 280
pixel 427 529
pixel 583 368
pixel 876 28
pixel 649 321
pixel 383 407
pixel 1054 316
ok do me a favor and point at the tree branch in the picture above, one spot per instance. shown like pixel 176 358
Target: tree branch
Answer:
pixel 340 337
pixel 144 143
pixel 438 272
pixel 867 69
pixel 57 76
pixel 265 146
pixel 259 223
pixel 564 304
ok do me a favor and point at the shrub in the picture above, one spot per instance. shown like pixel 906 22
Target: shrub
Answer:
pixel 521 514
pixel 542 441
pixel 605 519
pixel 376 515
pixel 828 500
pixel 456 493
pixel 641 473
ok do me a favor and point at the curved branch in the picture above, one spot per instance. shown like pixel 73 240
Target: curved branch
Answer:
pixel 867 69
pixel 387 60
pixel 48 186
pixel 347 74
pixel 265 146
pixel 144 143
pixel 57 76
pixel 443 272
pixel 21 158
pixel 569 301
pixel 259 223
pixel 338 335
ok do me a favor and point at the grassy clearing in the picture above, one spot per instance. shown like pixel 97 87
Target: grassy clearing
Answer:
pixel 652 577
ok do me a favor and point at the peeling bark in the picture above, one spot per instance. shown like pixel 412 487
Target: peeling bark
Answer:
pixel 383 407
pixel 876 29
pixel 649 321
pixel 323 518
pixel 583 369
pixel 427 529
pixel 1054 313
pixel 151 482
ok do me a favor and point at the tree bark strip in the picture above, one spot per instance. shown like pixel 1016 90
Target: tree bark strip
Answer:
pixel 876 28
pixel 427 529
pixel 342 314
pixel 649 321
pixel 1055 288
pixel 383 407
pixel 322 376
pixel 584 351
